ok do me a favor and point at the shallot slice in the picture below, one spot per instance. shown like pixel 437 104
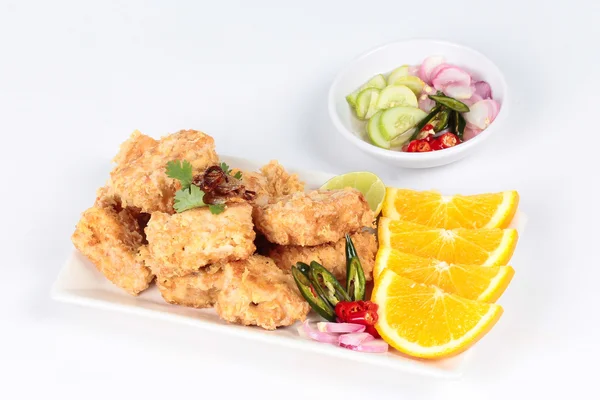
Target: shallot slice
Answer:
pixel 482 113
pixel 427 66
pixel 337 327
pixel 437 70
pixel 351 340
pixel 471 132
pixel 451 75
pixel 458 91
pixel 483 89
pixel 472 100
pixel 307 331
pixel 363 342
pixel 373 346
pixel 425 103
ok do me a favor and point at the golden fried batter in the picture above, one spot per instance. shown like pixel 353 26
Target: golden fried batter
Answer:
pixel 331 255
pixel 183 243
pixel 134 147
pixel 256 292
pixel 111 239
pixel 142 182
pixel 273 181
pixel 199 290
pixel 317 217
pixel 279 181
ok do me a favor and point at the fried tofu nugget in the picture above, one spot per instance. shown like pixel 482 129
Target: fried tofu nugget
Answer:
pixel 142 182
pixel 272 181
pixel 313 218
pixel 256 292
pixel 181 244
pixel 134 147
pixel 199 290
pixel 111 238
pixel 279 181
pixel 331 255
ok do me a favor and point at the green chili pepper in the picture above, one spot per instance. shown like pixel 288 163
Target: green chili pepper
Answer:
pixel 326 285
pixel 303 267
pixel 442 120
pixel 425 121
pixel 460 125
pixel 312 297
pixel 450 103
pixel 355 276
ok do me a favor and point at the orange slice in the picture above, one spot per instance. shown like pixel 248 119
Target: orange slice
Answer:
pixel 423 321
pixel 486 247
pixel 491 210
pixel 472 282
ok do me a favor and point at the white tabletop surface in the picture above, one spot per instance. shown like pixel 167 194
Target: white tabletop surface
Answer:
pixel 76 79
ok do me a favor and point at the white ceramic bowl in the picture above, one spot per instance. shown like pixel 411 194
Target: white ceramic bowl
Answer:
pixel 384 59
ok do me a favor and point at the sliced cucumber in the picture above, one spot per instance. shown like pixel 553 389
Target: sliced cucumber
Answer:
pixel 366 103
pixel 397 120
pixel 412 82
pixel 397 73
pixel 377 82
pixel 375 133
pixel 396 95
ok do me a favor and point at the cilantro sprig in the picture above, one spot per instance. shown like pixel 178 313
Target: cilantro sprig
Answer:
pixel 227 170
pixel 182 171
pixel 187 199
pixel 189 196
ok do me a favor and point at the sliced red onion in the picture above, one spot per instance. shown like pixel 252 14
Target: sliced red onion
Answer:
pixel 459 91
pixel 472 100
pixel 335 327
pixel 425 103
pixel 483 89
pixel 307 331
pixel 427 66
pixel 451 75
pixel 482 113
pixel 350 340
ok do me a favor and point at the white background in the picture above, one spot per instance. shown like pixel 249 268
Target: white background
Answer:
pixel 76 78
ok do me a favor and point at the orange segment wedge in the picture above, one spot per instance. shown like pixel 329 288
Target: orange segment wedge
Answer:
pixel 486 247
pixel 472 282
pixel 425 322
pixel 490 210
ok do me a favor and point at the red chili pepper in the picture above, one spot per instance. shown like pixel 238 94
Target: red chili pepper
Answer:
pixel 419 146
pixel 427 127
pixel 358 312
pixel 445 141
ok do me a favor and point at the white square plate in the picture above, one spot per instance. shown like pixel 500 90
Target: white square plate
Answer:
pixel 79 282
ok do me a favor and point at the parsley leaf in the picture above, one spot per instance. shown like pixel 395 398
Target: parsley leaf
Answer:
pixel 182 171
pixel 238 175
pixel 225 168
pixel 216 208
pixel 186 199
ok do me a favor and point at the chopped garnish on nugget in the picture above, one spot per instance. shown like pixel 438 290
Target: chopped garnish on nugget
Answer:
pixel 142 182
pixel 181 244
pixel 256 292
pixel 313 218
